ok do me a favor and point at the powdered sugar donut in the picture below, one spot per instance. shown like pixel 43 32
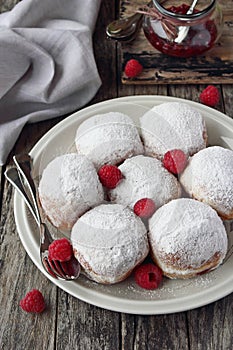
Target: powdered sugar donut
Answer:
pixel 187 237
pixel 209 178
pixel 69 186
pixel 145 177
pixel 173 125
pixel 108 138
pixel 109 241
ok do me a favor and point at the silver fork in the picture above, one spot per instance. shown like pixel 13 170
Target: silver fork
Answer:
pixel 20 178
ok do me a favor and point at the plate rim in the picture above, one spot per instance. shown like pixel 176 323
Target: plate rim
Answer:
pixel 95 297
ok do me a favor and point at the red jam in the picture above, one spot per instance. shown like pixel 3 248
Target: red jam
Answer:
pixel 200 38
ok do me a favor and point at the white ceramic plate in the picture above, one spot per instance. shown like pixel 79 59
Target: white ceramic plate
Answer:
pixel 173 295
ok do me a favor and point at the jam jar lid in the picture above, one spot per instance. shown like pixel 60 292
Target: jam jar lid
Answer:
pixel 185 17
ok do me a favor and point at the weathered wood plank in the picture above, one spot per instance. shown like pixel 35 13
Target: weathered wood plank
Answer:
pixel 72 324
pixel 105 53
pixel 164 332
pixel 18 275
pixel 211 326
pixel 215 66
pixel 83 326
pixel 193 93
pixel 228 99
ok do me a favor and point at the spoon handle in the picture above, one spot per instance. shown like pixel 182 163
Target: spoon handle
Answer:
pixel 190 10
pixel 120 25
pixel 183 30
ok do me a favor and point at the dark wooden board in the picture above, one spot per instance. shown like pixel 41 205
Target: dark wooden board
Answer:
pixel 215 66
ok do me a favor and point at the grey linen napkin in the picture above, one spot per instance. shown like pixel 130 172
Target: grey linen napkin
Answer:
pixel 47 67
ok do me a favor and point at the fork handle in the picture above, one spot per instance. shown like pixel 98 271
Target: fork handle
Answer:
pixel 23 165
pixel 12 176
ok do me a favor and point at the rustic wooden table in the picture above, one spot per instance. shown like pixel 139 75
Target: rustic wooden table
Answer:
pixel 69 323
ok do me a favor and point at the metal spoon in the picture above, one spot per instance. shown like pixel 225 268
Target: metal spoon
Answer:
pixel 183 30
pixel 126 29
pixel 122 29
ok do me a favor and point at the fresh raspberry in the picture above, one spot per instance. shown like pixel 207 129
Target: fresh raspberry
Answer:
pixel 109 175
pixel 33 302
pixel 144 208
pixel 133 68
pixel 148 276
pixel 175 161
pixel 210 96
pixel 60 250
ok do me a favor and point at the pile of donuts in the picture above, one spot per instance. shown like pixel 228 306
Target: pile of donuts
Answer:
pixel 185 236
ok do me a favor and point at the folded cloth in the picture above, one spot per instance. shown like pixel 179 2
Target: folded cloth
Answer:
pixel 47 66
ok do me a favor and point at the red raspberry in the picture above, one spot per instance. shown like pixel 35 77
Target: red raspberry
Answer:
pixel 210 96
pixel 133 68
pixel 61 250
pixel 175 161
pixel 33 302
pixel 148 276
pixel 144 208
pixel 109 175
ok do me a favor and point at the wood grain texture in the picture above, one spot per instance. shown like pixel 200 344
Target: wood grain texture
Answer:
pixel 154 332
pixel 227 96
pixel 69 323
pixel 214 66
pixel 19 275
pixel 212 326
pixel 83 326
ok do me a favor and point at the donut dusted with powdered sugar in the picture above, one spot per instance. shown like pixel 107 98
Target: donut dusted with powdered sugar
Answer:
pixel 145 177
pixel 69 186
pixel 209 178
pixel 173 125
pixel 109 241
pixel 187 238
pixel 108 138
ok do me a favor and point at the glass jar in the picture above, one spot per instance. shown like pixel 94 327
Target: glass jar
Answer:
pixel 164 25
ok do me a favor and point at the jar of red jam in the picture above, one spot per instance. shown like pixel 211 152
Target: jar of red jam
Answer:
pixel 172 30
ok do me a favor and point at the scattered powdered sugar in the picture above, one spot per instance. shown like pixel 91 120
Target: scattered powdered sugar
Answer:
pixel 68 187
pixel 209 178
pixel 172 289
pixel 189 230
pixel 168 290
pixel 145 177
pixel 173 125
pixel 111 239
pixel 114 137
